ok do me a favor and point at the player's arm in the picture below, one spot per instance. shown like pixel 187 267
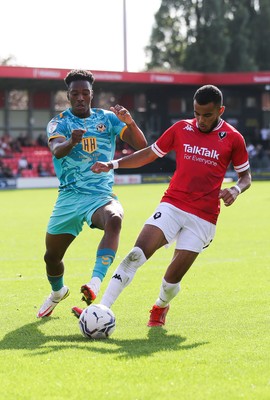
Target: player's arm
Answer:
pixel 61 147
pixel 229 195
pixel 244 181
pixel 135 160
pixel 132 134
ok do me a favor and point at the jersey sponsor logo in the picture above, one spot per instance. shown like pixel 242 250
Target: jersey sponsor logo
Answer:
pixel 89 144
pixel 222 135
pixel 101 127
pixel 201 151
pixel 52 127
pixel 188 128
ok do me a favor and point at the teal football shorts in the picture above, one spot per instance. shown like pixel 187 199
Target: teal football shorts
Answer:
pixel 71 210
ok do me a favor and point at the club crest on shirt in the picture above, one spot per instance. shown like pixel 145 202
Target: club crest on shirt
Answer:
pixel 222 135
pixel 89 144
pixel 101 127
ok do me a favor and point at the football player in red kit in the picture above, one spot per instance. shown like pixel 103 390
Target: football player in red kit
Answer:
pixel 188 211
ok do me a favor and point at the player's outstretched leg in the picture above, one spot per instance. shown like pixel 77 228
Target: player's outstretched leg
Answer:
pixel 123 275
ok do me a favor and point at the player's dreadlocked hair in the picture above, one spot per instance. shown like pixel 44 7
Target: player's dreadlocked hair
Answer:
pixel 208 94
pixel 79 75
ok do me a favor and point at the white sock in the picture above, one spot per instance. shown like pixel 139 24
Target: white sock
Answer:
pixel 59 293
pixel 123 275
pixel 167 292
pixel 95 284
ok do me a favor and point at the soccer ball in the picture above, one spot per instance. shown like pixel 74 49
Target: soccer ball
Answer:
pixel 97 322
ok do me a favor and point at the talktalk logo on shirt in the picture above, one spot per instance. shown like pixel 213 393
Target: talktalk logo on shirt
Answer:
pixel 201 151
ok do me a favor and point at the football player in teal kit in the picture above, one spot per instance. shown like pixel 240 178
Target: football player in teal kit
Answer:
pixel 78 137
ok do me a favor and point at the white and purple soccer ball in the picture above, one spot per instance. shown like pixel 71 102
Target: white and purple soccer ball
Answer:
pixel 97 322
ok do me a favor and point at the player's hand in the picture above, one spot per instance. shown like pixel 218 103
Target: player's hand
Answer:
pixel 76 136
pixel 228 195
pixel 99 167
pixel 122 113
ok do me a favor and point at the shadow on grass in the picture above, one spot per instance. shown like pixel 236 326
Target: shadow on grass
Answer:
pixel 157 340
pixel 29 337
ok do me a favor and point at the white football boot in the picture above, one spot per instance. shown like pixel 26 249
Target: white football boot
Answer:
pixel 51 302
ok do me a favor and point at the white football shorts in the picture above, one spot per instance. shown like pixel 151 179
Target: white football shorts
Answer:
pixel 189 231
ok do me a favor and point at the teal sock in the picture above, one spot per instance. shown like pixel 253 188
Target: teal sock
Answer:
pixel 57 282
pixel 104 259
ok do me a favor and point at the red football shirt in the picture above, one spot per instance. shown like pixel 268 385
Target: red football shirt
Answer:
pixel 202 160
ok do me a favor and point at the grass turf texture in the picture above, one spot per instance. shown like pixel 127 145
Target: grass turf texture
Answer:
pixel 215 344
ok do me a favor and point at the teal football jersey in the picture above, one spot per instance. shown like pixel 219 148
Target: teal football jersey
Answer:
pixel 98 144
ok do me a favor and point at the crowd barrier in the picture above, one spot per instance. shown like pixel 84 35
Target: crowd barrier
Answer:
pixel 132 179
pixel 52 182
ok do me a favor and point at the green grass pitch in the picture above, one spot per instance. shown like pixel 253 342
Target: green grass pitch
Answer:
pixel 215 345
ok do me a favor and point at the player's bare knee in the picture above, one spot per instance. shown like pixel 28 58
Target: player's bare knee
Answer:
pixel 52 259
pixel 114 223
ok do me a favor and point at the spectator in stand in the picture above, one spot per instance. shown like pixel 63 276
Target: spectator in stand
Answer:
pixel 22 164
pixel 24 140
pixel 42 171
pixel 5 171
pixel 2 152
pixel 265 137
pixel 42 140
pixel 15 146
pixel 1 169
pixel 262 157
pixel 5 149
pixel 251 150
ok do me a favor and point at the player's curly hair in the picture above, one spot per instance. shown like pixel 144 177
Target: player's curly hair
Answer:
pixel 79 75
pixel 208 94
